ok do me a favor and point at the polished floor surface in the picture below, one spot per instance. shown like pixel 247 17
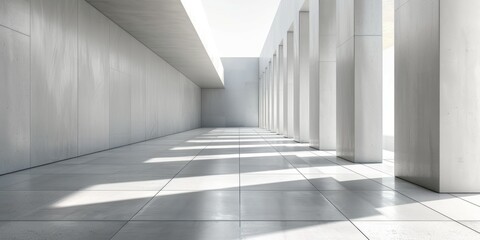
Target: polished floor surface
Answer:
pixel 225 184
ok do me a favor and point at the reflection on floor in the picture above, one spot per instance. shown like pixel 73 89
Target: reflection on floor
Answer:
pixel 226 184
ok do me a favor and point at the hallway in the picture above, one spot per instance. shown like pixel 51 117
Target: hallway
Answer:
pixel 226 183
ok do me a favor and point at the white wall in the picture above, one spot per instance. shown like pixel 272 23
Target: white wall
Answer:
pixel 237 104
pixel 72 82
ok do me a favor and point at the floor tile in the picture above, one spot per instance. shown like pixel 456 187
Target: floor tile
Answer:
pixel 198 230
pixel 167 168
pixel 366 171
pixel 344 181
pixel 266 165
pixel 415 230
pixel 181 205
pixel 234 157
pixel 396 183
pixel 218 150
pixel 91 182
pixel 59 230
pixel 379 205
pixel 306 159
pixel 287 205
pixel 472 198
pixel 8 180
pixel 204 182
pixel 86 205
pixel 475 225
pixel 200 167
pixel 283 230
pixel 326 169
pixel 264 149
pixel 447 204
pixel 292 182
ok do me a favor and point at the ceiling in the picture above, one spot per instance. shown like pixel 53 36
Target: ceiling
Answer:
pixel 165 26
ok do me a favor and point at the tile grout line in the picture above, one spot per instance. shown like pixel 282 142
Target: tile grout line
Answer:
pixel 153 197
pixel 348 219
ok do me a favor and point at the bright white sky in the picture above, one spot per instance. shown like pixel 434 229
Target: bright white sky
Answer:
pixel 240 27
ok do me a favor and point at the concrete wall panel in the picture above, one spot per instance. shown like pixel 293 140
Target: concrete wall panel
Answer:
pixel 93 79
pixel 14 100
pixel 120 113
pixel 54 80
pixel 137 90
pixel 15 14
pixel 153 77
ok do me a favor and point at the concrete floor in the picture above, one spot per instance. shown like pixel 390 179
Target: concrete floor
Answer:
pixel 226 184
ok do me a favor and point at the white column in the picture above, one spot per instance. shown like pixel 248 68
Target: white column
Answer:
pixel 267 97
pixel 289 49
pixel 271 117
pixel 328 75
pixel 275 94
pixel 437 94
pixel 304 79
pixel 285 88
pixel 359 80
pixel 280 88
pixel 261 101
pixel 314 74
pixel 296 81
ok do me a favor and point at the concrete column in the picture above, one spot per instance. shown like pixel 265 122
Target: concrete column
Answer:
pixel 296 83
pixel 280 89
pixel 285 89
pixel 314 74
pixel 437 94
pixel 261 101
pixel 264 101
pixel 359 80
pixel 262 90
pixel 267 96
pixel 289 49
pixel 327 38
pixel 270 97
pixel 302 80
pixel 275 93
